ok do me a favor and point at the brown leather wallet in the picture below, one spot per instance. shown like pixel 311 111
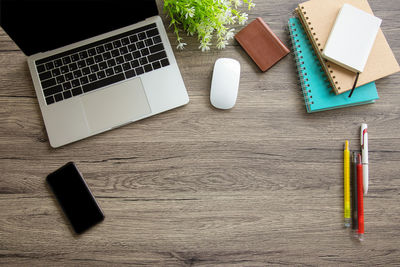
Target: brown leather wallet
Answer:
pixel 261 44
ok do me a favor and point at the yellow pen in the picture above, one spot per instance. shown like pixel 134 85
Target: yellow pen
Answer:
pixel 346 175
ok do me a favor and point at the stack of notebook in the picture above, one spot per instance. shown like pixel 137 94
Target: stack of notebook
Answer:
pixel 327 85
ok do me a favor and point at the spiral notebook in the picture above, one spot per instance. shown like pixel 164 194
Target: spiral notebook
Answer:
pixel 317 90
pixel 318 18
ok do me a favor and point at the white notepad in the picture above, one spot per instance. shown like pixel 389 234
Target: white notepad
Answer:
pixel 352 38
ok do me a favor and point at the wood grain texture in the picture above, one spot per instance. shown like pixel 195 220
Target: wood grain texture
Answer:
pixel 257 185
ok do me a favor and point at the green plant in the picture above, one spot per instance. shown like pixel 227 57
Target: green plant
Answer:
pixel 205 18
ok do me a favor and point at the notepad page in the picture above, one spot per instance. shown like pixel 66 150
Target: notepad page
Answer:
pixel 352 37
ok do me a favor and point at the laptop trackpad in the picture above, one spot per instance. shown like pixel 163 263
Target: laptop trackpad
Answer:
pixel 116 105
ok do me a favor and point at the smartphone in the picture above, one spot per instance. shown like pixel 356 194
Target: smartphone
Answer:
pixel 75 197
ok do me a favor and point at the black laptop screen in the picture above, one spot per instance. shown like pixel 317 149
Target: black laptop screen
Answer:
pixel 42 25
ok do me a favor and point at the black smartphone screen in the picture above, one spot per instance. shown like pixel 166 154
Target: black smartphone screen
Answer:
pixel 75 197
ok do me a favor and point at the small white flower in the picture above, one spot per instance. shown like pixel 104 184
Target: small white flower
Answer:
pixel 243 18
pixel 229 35
pixel 222 44
pixel 181 46
pixel 237 3
pixel 205 46
pixel 190 12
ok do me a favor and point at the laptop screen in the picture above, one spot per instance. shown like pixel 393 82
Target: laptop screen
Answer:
pixel 43 25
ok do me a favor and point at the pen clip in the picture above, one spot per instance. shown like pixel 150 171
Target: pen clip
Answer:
pixel 363 136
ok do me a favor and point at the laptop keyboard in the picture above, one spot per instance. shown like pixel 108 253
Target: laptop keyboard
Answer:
pixel 101 63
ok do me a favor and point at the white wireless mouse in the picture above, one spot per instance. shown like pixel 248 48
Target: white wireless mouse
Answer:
pixel 225 83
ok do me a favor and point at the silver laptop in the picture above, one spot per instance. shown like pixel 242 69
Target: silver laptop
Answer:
pixel 95 64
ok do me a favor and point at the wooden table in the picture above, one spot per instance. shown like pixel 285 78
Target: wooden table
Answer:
pixel 260 184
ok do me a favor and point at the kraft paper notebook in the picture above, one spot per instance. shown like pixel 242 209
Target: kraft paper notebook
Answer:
pixel 316 88
pixel 318 18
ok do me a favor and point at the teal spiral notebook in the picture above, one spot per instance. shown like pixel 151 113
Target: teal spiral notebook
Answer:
pixel 317 91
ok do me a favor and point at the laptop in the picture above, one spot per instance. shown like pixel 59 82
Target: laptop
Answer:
pixel 95 64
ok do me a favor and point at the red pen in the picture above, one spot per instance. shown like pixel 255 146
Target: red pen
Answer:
pixel 360 196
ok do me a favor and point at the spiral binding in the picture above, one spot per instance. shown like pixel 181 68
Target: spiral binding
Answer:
pixel 301 69
pixel 325 63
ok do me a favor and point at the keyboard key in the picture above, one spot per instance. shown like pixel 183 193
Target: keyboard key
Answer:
pixel 76 91
pixel 56 72
pixel 133 38
pixel 103 65
pixel 125 41
pixel 67 86
pixel 152 32
pixel 156 48
pixel 75 57
pixel 139 70
pixel 67 94
pixel 148 68
pixel 132 47
pixel 148 42
pixel 45 75
pixel 117 69
pixel 50 65
pixel 83 55
pixel 126 66
pixel 136 54
pixel 69 76
pixel 157 39
pixel 142 36
pixel 140 45
pixel 135 63
pixel 130 74
pixel 106 55
pixel 66 60
pixel 77 74
pixel 82 63
pixel 115 53
pixel 103 82
pixel 73 67
pixel 50 100
pixel 101 75
pixel 109 72
pixel 92 77
pixel 143 61
pixel 157 56
pixel 40 68
pixel 75 83
pixel 120 60
pixel 53 90
pixel 86 71
pixel 123 50
pixel 165 62
pixel 84 80
pixel 108 47
pixel 100 49
pixel 90 61
pixel 92 52
pixel 64 69
pixel 156 65
pixel 111 62
pixel 57 63
pixel 60 79
pixel 98 58
pixel 117 44
pixel 145 52
pixel 48 83
pixel 95 68
pixel 58 97
pixel 128 57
